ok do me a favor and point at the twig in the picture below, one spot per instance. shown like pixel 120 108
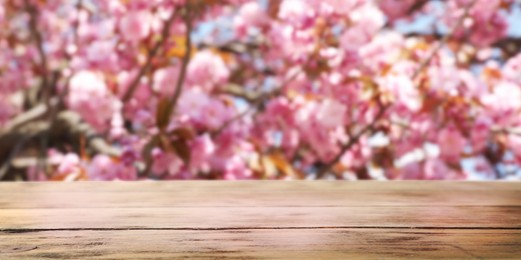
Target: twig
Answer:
pixel 151 54
pixel 509 45
pixel 417 6
pixel 234 47
pixel 352 141
pixel 180 81
pixel 444 40
pixel 255 103
pixel 76 24
pixel 185 61
pixel 53 110
pixel 37 37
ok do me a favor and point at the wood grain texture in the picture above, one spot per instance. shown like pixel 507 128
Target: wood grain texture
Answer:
pixel 265 244
pixel 267 220
pixel 264 217
pixel 257 194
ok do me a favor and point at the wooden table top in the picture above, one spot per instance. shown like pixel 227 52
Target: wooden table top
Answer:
pixel 262 219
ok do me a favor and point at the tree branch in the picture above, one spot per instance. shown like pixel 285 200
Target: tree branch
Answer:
pixel 180 81
pixel 444 40
pixel 37 37
pixel 256 99
pixel 165 33
pixel 510 45
pixel 352 141
pixel 185 61
pixel 417 6
pixel 68 124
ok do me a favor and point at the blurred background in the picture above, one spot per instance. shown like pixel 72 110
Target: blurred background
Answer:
pixel 260 89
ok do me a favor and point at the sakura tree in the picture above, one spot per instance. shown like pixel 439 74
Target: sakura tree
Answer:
pixel 249 89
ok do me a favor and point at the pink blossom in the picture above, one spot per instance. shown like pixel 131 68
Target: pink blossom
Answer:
pixel 436 169
pixel 165 80
pixel 207 70
pixel 67 167
pixel 395 9
pixel 384 49
pixel 403 91
pixel 483 168
pixel 444 78
pixel 512 69
pixel 6 110
pixel 236 169
pixel 102 30
pixel 317 122
pixel 335 7
pixel 486 25
pixel 69 163
pixel 296 12
pixel 487 30
pixel 89 96
pixel 290 42
pixel 354 38
pixel 514 143
pixel 290 140
pixel 253 14
pixel 202 148
pixel 330 113
pixel 135 25
pixel 451 143
pixel 204 111
pixel 191 102
pixel 112 6
pixel 137 107
pixel 309 75
pixel 101 54
pixel 2 12
pixel 103 167
pixel 358 156
pixel 472 85
pixel 88 82
pixel 164 162
pixel 480 134
pixel 279 111
pixel 504 98
pixel 250 15
pixel 411 171
pixel 368 20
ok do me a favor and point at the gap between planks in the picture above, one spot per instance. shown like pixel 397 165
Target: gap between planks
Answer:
pixel 17 231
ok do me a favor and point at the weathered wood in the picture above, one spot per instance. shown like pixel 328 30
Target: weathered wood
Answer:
pixel 263 217
pixel 284 220
pixel 257 194
pixel 468 187
pixel 267 244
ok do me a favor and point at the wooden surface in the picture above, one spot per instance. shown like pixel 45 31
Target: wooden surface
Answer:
pixel 270 220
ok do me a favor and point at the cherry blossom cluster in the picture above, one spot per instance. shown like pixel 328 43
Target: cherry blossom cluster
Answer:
pixel 278 89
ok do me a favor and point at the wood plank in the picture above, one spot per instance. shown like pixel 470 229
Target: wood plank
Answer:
pixel 255 186
pixel 263 217
pixel 266 244
pixel 257 194
pixel 272 220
